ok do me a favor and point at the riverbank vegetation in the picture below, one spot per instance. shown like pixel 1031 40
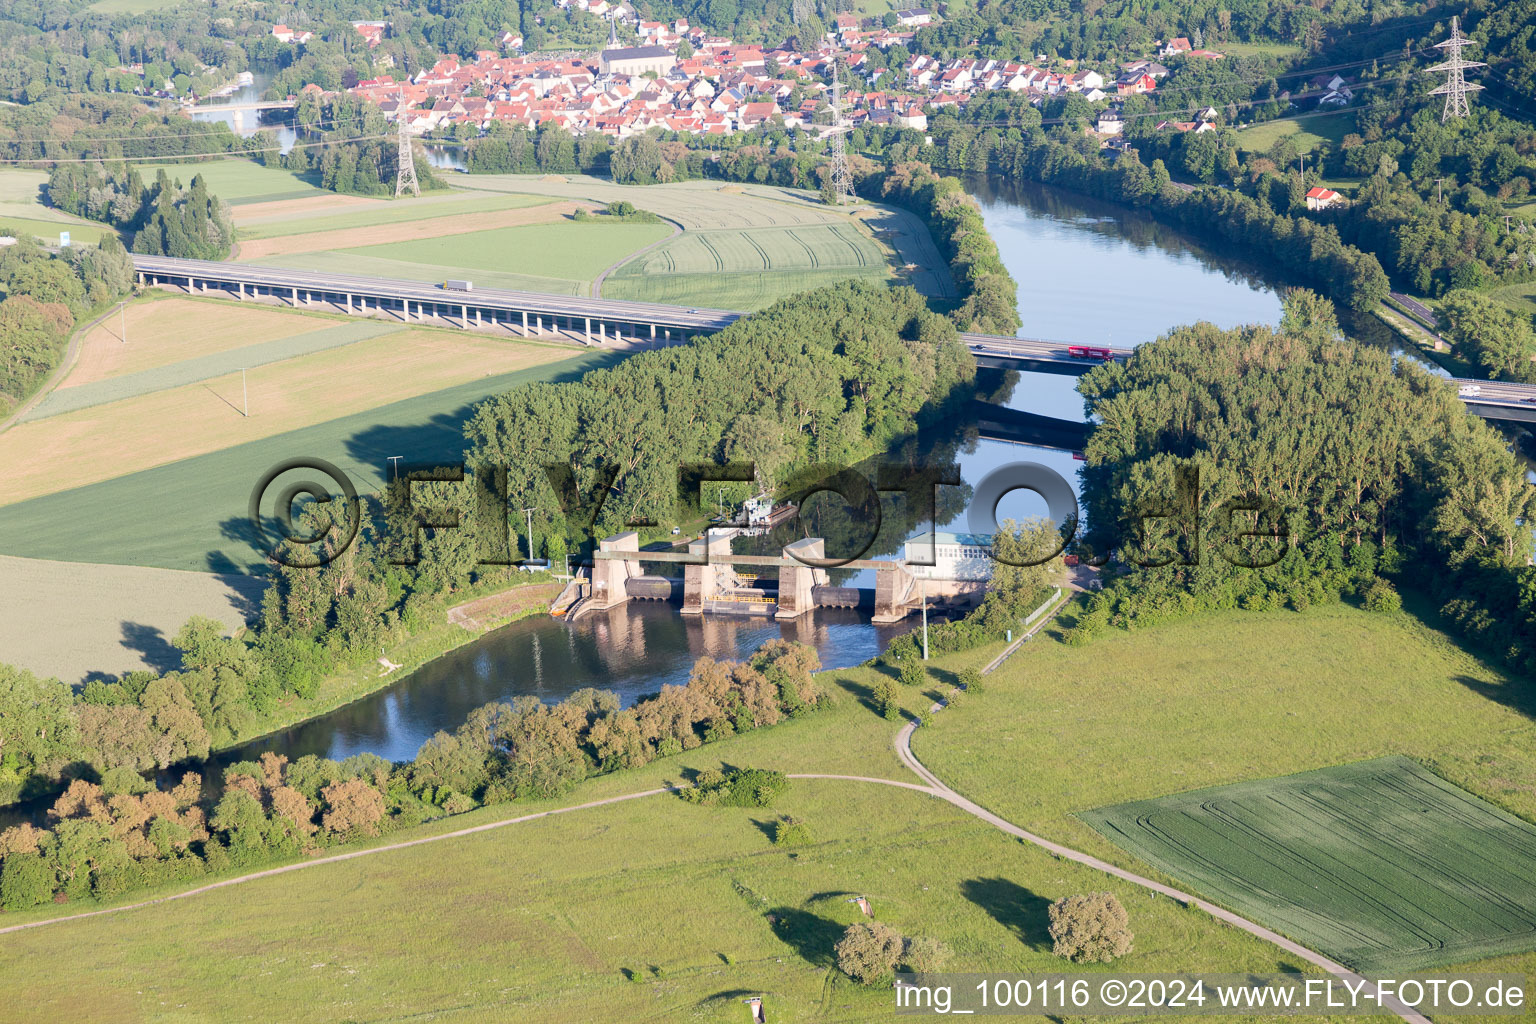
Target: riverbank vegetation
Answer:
pixel 1290 467
pixel 105 837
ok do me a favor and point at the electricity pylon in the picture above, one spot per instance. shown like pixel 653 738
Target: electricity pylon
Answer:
pixel 841 176
pixel 405 159
pixel 1456 87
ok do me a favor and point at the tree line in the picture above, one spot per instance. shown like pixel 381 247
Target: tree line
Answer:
pixel 44 295
pixel 1291 466
pixel 164 219
pixel 116 831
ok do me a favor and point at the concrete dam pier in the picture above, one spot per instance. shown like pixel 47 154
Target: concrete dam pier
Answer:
pixel 715 581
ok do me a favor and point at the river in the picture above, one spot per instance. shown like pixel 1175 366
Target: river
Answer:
pixel 1087 273
pixel 246 122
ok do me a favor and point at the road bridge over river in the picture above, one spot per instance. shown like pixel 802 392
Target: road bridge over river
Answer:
pixel 592 321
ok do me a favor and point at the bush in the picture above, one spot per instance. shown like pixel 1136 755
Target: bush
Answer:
pixel 869 951
pixel 25 881
pixel 886 701
pixel 1092 928
pixel 970 678
pixel 1381 596
pixel 792 832
pixel 739 787
pixel 925 955
pixel 913 673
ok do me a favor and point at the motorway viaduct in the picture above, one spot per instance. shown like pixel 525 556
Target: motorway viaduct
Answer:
pixel 592 321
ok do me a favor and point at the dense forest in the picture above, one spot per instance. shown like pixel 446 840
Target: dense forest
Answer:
pixel 827 377
pixel 1333 468
pixel 44 294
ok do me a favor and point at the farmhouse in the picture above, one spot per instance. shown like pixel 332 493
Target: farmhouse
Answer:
pixel 1322 198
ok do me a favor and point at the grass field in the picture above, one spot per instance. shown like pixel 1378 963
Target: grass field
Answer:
pixel 1308 130
pixel 117 618
pixel 191 513
pixel 550 920
pixel 650 909
pixel 1519 297
pixel 165 329
pixel 22 209
pixel 301 218
pixel 129 435
pixel 746 246
pixel 388 232
pixel 1380 864
pixel 237 181
pixel 202 368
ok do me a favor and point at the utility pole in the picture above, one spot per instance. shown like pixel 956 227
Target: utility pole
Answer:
pixel 529 513
pixel 1455 88
pixel 394 464
pixel 923 582
pixel 123 313
pixel 245 394
pixel 405 159
pixel 1438 197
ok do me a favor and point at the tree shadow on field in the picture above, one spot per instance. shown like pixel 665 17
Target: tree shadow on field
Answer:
pixel 812 937
pixel 864 694
pixel 440 438
pixel 1521 696
pixel 151 645
pixel 1014 907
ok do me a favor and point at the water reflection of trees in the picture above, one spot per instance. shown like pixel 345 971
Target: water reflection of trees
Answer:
pixel 1121 223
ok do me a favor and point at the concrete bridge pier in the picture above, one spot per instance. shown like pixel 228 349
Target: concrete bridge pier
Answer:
pixel 701 583
pixel 610 575
pixel 797 579
pixel 896 593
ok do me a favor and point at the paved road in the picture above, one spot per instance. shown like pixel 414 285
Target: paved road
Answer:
pixel 1415 307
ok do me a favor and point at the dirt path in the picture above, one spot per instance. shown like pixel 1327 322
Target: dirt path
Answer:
pixel 597 282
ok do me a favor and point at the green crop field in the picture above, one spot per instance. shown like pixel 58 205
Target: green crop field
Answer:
pixel 237 181
pixel 570 250
pixel 383 212
pixel 746 246
pixel 731 291
pixel 1380 864
pixel 191 514
pixel 561 257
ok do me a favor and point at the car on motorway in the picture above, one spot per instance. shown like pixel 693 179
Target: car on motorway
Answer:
pixel 1528 401
pixel 1469 390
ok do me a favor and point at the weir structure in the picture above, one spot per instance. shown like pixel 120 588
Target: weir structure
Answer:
pixel 715 581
